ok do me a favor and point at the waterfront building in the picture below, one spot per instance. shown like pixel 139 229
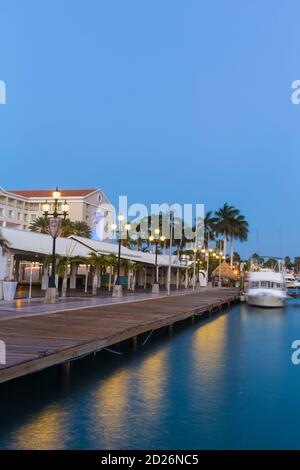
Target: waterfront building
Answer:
pixel 19 208
pixel 24 261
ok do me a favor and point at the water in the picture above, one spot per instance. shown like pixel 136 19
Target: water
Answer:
pixel 222 383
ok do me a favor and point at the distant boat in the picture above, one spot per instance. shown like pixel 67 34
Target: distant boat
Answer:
pixel 267 288
pixel 290 281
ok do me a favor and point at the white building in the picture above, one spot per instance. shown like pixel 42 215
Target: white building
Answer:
pixel 19 208
pixel 27 251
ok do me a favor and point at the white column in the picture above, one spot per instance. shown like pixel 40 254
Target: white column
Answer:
pixel 186 278
pixel 86 278
pixel 109 278
pixel 3 265
pixel 73 276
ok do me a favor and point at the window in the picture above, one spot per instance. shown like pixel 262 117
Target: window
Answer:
pixel 1 212
pixel 33 206
pixel 32 217
pixel 10 214
pixel 11 202
pixel 19 216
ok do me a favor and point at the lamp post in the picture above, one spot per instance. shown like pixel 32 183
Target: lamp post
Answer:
pixel 54 228
pixel 194 270
pixel 118 228
pixel 155 240
pixel 220 256
pixel 171 249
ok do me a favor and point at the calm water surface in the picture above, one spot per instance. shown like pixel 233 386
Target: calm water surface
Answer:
pixel 224 383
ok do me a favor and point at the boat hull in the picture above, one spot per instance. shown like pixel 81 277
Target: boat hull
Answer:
pixel 266 301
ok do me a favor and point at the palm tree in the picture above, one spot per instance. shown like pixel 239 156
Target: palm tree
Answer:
pixel 62 264
pixel 238 231
pixel 209 227
pixel 4 245
pixel 40 224
pixel 66 228
pixel 128 266
pixel 224 220
pixel 82 229
pixel 111 261
pixel 96 261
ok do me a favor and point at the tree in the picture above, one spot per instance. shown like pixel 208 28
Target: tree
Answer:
pixel 81 229
pixel 66 228
pixel 225 216
pixel 297 263
pixel 4 245
pixel 236 257
pixel 96 261
pixel 238 231
pixel 288 262
pixel 209 227
pixel 40 224
pixel 62 263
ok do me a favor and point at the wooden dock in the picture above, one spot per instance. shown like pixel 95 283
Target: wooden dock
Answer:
pixel 36 342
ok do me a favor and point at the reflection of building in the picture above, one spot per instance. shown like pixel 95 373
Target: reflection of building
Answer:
pixel 19 208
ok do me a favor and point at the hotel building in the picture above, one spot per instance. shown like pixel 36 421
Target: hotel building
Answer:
pixel 18 208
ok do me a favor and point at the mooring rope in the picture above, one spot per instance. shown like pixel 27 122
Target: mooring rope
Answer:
pixel 114 352
pixel 148 337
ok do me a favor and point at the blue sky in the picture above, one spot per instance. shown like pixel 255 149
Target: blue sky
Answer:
pixel 164 101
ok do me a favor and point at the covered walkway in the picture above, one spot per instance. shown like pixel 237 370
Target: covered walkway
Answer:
pixel 24 262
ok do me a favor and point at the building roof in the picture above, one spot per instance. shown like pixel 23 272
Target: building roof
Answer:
pixel 37 243
pixel 47 193
pixel 226 271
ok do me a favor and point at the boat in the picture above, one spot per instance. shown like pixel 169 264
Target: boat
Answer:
pixel 266 287
pixel 290 281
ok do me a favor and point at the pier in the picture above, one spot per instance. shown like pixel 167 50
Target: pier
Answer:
pixel 34 343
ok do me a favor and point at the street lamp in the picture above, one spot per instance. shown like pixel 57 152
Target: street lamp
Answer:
pixel 155 240
pixel 54 228
pixel 194 270
pixel 220 256
pixel 119 228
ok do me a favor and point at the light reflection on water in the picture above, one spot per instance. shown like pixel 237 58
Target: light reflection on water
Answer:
pixel 225 383
pixel 44 431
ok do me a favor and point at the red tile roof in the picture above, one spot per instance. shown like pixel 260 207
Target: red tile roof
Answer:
pixel 47 193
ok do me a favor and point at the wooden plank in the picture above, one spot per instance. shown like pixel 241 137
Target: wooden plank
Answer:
pixel 37 342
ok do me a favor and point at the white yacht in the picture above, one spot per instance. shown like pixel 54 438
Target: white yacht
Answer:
pixel 290 281
pixel 266 288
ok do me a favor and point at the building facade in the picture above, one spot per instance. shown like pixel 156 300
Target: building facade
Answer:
pixel 18 209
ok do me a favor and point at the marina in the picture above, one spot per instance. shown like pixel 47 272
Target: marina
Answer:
pixel 217 383
pixel 149 250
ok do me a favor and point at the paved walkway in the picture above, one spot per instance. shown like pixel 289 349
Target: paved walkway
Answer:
pixel 25 308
